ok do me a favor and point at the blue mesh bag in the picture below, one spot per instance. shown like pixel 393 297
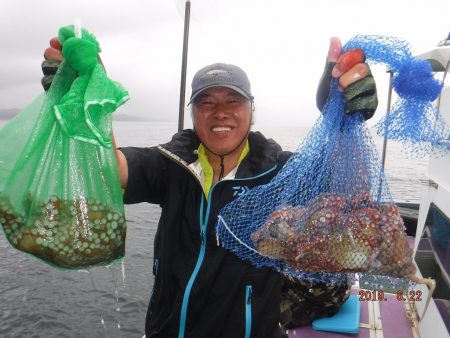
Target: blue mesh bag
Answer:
pixel 329 211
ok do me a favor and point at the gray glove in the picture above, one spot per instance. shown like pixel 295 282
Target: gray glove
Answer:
pixel 49 68
pixel 360 96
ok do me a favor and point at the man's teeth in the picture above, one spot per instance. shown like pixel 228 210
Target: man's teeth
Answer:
pixel 221 129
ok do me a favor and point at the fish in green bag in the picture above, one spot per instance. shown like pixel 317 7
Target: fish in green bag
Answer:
pixel 60 193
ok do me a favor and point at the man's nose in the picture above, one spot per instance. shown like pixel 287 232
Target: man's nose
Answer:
pixel 221 110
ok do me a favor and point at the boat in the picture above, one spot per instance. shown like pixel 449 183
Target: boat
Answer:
pixel 432 252
pixel 422 311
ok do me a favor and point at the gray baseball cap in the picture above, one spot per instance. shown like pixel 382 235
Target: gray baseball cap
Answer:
pixel 221 75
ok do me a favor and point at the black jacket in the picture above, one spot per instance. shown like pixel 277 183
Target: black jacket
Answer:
pixel 201 290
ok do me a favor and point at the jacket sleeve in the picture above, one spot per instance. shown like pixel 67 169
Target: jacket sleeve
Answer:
pixel 146 174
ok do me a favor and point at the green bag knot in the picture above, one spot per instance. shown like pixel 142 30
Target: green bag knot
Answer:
pixel 81 54
pixel 85 97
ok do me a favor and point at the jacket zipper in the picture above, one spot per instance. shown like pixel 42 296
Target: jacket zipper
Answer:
pixel 155 266
pixel 155 272
pixel 248 311
pixel 191 281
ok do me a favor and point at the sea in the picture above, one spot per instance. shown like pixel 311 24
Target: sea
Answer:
pixel 38 300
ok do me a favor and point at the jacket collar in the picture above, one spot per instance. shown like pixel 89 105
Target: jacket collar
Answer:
pixel 264 153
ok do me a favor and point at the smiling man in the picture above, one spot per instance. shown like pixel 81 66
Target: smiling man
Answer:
pixel 201 290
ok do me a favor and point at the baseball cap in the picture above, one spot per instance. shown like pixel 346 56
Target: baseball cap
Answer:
pixel 221 75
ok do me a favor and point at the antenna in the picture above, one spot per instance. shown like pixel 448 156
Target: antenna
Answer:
pixel 77 28
pixel 184 65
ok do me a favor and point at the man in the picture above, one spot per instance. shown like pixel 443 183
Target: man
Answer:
pixel 201 290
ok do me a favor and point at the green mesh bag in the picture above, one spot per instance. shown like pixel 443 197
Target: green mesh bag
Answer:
pixel 60 193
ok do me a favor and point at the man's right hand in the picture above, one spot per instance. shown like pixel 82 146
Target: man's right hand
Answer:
pixel 53 57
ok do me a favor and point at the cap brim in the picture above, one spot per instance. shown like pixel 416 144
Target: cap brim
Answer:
pixel 235 88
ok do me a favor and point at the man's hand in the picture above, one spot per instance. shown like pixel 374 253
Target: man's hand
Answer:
pixel 53 57
pixel 355 80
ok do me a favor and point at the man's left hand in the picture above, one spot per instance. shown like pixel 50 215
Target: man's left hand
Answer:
pixel 355 80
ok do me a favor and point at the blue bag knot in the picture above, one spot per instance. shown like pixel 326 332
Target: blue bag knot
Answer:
pixel 415 81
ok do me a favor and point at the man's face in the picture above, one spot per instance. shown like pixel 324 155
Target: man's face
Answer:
pixel 221 119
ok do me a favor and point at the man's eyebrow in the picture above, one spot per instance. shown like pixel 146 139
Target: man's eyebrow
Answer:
pixel 206 95
pixel 202 96
pixel 235 94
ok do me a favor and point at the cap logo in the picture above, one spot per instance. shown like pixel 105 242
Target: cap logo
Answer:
pixel 216 72
pixel 216 75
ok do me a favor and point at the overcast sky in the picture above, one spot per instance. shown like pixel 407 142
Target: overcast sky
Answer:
pixel 281 44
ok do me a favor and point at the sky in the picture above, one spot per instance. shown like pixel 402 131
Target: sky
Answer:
pixel 282 45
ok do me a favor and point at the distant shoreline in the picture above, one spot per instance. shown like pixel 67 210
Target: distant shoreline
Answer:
pixel 7 114
pixel 124 117
pixel 118 117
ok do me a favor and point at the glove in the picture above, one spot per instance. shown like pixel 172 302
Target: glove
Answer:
pixel 49 68
pixel 53 58
pixel 355 80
